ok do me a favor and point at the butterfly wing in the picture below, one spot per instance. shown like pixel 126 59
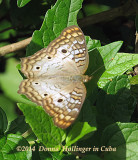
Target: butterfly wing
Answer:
pixel 47 70
pixel 65 55
pixel 61 99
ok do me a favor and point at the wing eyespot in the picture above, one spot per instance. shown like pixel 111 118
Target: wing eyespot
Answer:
pixel 64 51
pixel 36 83
pixel 48 57
pixel 45 94
pixel 38 68
pixel 60 100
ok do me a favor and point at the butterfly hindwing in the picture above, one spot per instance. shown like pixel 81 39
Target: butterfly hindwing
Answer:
pixel 67 106
pixel 60 99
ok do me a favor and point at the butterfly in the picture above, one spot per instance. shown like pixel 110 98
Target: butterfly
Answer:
pixel 55 76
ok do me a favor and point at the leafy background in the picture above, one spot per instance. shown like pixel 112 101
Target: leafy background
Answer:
pixel 109 114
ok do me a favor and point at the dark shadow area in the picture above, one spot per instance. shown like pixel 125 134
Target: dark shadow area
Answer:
pixel 21 20
pixel 18 125
pixel 95 69
pixel 109 109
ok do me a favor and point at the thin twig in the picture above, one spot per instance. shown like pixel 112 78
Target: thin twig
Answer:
pixel 136 43
pixel 125 10
pixel 27 133
pixel 136 52
pixel 14 47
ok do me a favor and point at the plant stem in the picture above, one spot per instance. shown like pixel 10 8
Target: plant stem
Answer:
pixel 27 133
pixel 14 47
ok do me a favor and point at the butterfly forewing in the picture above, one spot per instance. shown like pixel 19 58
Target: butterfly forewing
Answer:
pixel 65 55
pixel 50 71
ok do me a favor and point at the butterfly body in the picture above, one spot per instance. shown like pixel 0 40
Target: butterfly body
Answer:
pixel 71 78
pixel 55 77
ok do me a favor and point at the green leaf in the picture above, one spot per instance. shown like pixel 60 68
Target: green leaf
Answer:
pixel 0 1
pixel 69 157
pixel 10 81
pixel 115 102
pixel 122 136
pixel 91 44
pixel 88 113
pixel 22 3
pixel 134 91
pixel 95 69
pixel 4 24
pixel 121 63
pixel 43 153
pixel 3 121
pixel 134 86
pixel 12 148
pixel 5 102
pixel 90 157
pixel 78 131
pixel 18 126
pixel 54 22
pixel 134 80
pixel 2 141
pixel 51 155
pixel 18 66
pixel 99 60
pixel 109 51
pixel 42 125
